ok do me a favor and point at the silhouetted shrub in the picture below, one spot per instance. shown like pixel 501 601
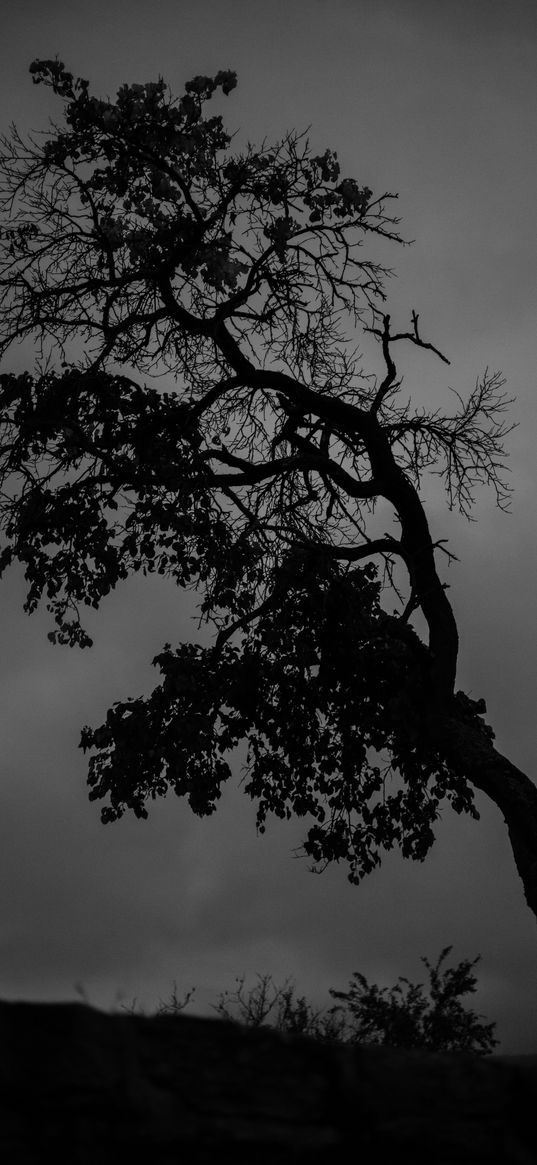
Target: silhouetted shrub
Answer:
pixel 402 1016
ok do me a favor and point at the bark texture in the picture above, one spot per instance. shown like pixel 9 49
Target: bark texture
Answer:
pixel 81 1086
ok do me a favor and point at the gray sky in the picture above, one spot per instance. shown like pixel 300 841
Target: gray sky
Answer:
pixel 438 102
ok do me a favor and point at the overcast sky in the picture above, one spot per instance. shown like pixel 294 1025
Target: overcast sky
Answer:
pixel 438 102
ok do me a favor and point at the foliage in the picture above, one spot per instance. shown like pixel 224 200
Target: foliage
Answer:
pixel 318 654
pixel 402 1016
pixel 136 243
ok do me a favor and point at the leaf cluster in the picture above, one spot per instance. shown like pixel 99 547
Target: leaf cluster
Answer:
pixel 100 478
pixel 138 198
pixel 314 690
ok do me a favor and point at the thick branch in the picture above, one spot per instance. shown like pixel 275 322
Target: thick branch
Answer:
pixel 385 545
pixel 469 751
pixel 387 481
pixel 391 372
pixel 190 323
pixel 418 549
pixel 252 472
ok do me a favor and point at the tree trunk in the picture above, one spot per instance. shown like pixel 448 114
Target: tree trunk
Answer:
pixel 469 751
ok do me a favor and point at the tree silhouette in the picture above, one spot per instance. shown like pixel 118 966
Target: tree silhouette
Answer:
pixel 263 470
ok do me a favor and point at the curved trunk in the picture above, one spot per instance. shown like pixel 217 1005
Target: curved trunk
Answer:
pixel 470 752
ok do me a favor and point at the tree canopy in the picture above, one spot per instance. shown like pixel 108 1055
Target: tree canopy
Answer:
pixel 197 407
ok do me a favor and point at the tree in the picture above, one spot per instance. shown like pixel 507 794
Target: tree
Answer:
pixel 400 1017
pixel 262 471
